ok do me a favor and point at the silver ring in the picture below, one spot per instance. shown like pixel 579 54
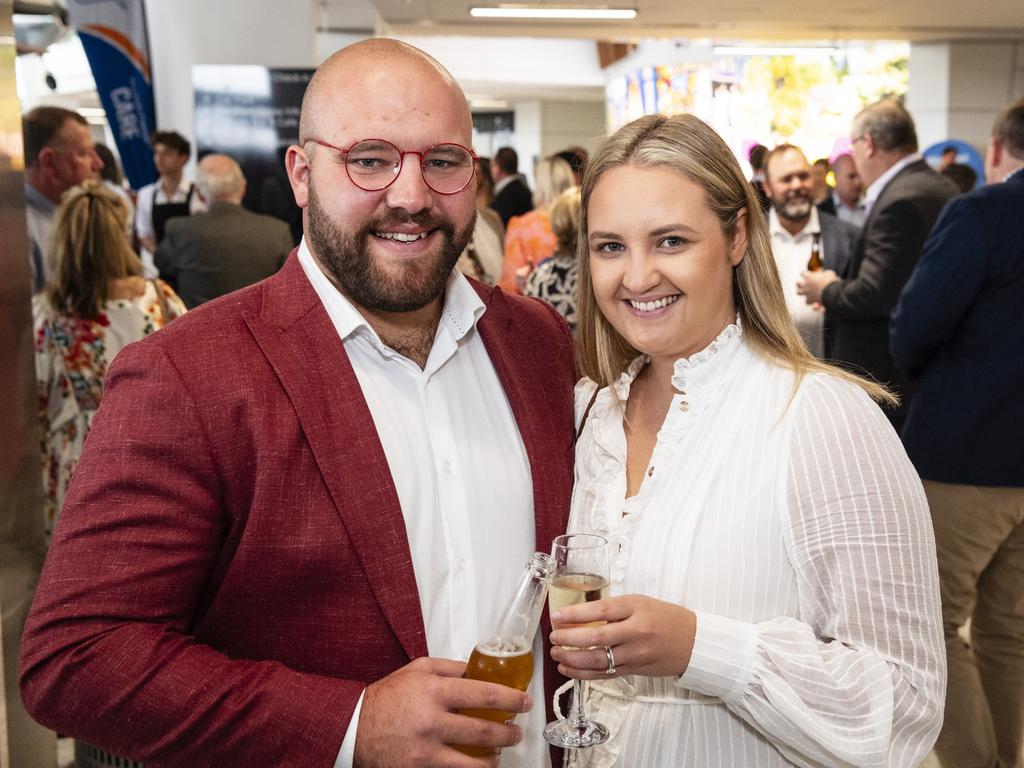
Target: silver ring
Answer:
pixel 611 661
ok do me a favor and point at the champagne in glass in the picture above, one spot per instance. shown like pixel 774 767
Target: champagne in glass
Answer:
pixel 506 655
pixel 581 576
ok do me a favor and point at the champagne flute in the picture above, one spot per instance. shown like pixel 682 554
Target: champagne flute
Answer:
pixel 581 576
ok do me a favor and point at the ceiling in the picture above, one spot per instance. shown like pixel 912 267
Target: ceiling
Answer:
pixel 791 20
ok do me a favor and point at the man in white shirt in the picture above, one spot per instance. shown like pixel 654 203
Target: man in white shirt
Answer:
pixel 301 506
pixel 59 154
pixel 171 195
pixel 797 228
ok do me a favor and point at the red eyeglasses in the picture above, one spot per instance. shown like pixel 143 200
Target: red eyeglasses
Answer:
pixel 374 164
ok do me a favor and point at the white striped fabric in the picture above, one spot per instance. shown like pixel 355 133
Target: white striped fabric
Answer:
pixel 797 530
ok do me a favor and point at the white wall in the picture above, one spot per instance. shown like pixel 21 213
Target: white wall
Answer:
pixel 957 88
pixel 187 32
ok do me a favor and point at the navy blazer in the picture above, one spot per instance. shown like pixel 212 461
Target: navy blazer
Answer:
pixel 958 334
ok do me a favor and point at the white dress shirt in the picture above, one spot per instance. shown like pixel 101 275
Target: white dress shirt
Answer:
pixel 462 475
pixel 153 194
pixel 796 528
pixel 792 252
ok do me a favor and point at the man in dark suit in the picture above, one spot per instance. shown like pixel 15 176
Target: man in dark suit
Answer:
pixel 511 195
pixel 300 503
pixel 904 198
pixel 209 254
pixel 800 232
pixel 958 333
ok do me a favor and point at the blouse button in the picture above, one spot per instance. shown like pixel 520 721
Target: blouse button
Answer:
pixel 684 406
pixel 650 471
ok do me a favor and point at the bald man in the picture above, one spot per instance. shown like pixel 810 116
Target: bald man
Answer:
pixel 227 248
pixel 302 505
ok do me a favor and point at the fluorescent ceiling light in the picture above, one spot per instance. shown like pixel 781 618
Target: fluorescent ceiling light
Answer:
pixel 547 12
pixel 774 50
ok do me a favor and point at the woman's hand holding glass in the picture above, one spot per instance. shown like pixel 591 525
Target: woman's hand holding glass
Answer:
pixel 646 636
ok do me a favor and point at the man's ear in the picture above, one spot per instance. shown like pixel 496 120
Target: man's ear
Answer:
pixel 296 163
pixel 996 151
pixel 45 159
pixel 738 247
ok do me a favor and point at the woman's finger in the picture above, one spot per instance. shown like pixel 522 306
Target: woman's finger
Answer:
pixel 609 609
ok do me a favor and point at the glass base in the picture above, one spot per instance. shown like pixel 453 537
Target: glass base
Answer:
pixel 564 733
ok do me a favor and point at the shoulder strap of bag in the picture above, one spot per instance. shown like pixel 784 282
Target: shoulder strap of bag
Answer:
pixel 165 310
pixel 586 413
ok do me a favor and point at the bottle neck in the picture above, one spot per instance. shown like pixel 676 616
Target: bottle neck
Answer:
pixel 519 621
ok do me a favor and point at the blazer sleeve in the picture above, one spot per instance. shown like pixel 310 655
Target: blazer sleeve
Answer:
pixel 892 244
pixel 109 653
pixel 942 288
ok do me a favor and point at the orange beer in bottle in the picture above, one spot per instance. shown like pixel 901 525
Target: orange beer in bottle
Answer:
pixel 815 264
pixel 506 655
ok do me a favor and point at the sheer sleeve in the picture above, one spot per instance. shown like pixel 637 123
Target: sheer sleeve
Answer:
pixel 859 678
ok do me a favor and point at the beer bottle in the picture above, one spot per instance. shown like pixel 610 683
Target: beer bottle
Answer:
pixel 815 263
pixel 506 655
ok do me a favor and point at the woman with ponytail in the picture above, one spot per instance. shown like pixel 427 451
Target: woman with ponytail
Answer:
pixel 96 303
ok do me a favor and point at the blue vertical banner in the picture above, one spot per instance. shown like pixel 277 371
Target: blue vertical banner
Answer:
pixel 113 34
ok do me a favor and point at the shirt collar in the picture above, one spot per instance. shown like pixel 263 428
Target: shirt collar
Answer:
pixel 775 228
pixel 37 200
pixel 462 306
pixel 1014 172
pixel 873 192
pixel 838 203
pixel 500 185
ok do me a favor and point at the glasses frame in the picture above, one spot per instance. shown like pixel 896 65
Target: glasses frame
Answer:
pixel 401 161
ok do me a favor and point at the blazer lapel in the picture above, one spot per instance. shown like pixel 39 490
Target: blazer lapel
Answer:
pixel 300 342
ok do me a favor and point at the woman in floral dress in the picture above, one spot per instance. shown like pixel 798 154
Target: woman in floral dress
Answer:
pixel 95 303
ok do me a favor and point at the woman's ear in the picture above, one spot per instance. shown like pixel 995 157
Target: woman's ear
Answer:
pixel 738 247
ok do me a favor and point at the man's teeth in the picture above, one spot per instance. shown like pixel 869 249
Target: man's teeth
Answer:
pixel 401 237
pixel 650 306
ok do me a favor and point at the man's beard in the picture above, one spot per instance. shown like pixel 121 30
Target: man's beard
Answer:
pixel 348 261
pixel 793 208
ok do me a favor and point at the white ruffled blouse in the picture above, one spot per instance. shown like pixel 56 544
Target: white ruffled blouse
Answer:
pixel 793 524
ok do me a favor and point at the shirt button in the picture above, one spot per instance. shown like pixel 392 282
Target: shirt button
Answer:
pixel 447 467
pixel 684 406
pixel 650 471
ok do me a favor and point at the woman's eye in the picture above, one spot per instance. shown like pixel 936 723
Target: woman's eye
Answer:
pixel 674 242
pixel 608 247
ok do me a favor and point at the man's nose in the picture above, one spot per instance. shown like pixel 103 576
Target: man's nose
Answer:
pixel 409 192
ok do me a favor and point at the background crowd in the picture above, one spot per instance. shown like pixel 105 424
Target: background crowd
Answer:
pixel 896 273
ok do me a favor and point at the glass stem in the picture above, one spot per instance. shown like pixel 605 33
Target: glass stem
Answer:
pixel 577 716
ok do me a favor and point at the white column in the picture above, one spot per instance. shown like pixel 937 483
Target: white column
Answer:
pixel 958 87
pixel 188 32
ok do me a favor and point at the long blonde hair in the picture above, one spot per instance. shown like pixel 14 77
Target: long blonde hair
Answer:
pixel 89 249
pixel 553 176
pixel 687 145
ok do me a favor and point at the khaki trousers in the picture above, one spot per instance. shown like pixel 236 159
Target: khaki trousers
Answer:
pixel 979 534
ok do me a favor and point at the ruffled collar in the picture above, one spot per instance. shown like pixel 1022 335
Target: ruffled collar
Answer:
pixel 696 373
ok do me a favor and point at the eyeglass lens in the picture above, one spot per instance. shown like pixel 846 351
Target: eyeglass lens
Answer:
pixel 372 165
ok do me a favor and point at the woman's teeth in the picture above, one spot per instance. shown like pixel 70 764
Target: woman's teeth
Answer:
pixel 650 306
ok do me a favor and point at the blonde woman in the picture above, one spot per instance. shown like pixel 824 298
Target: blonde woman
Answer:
pixel 95 304
pixel 529 238
pixel 774 588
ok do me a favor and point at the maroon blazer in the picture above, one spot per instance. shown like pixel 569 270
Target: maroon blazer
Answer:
pixel 231 566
